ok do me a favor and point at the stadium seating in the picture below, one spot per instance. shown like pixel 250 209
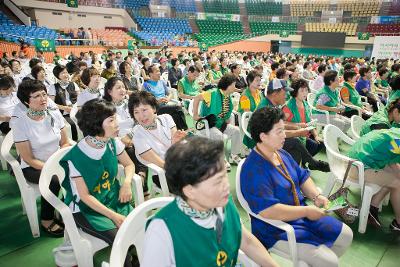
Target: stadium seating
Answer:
pixel 12 33
pixel 170 25
pixel 221 6
pixel 107 37
pixel 216 32
pixel 360 8
pixel 383 29
pixel 4 20
pixel 263 8
pixel 348 28
pixel 263 27
pixel 395 8
pixel 187 6
pixel 306 8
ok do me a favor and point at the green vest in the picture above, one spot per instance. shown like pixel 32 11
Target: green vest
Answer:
pixel 216 74
pixel 198 246
pixel 379 117
pixel 265 102
pixel 378 148
pixel 381 82
pixel 354 98
pixel 333 99
pixel 216 107
pixel 224 70
pixel 291 104
pixel 189 88
pixel 394 95
pixel 253 105
pixel 100 179
pixel 247 141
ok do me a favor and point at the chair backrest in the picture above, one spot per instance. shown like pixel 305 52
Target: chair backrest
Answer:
pixel 311 99
pixel 6 146
pixel 245 122
pixel 132 230
pixel 337 161
pixel 239 194
pixel 356 124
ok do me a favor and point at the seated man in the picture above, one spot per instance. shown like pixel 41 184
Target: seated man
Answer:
pixel 163 95
pixel 188 87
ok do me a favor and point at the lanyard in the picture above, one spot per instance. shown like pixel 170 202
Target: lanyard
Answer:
pixel 285 173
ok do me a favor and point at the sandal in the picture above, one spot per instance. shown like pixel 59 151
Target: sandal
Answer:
pixel 54 233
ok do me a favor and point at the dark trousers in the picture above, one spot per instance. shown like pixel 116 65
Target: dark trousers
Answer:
pixel 352 112
pixel 139 167
pixel 107 236
pixel 372 101
pixel 32 175
pixel 5 127
pixel 74 131
pixel 176 113
pixel 298 151
pixel 313 146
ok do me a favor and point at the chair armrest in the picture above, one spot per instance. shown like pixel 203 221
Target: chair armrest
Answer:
pixel 161 175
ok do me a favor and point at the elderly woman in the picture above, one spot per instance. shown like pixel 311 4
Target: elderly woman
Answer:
pixel 38 73
pixel 64 93
pixel 115 92
pixel 38 132
pixel 328 99
pixel 196 175
pixel 275 187
pixel 298 113
pixel 130 82
pixel 91 79
pixel 98 202
pixel 153 134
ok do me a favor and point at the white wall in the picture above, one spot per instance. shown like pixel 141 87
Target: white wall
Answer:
pixel 69 16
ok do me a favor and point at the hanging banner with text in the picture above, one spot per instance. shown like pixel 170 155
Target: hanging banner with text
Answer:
pixel 72 3
pixel 386 47
pixel 45 45
pixel 216 16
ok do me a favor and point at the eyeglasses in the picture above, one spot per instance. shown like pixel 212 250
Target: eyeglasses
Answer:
pixel 35 97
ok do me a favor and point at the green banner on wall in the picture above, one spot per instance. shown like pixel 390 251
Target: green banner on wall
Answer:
pixel 363 36
pixel 203 46
pixel 72 3
pixel 45 45
pixel 217 16
pixel 131 44
pixel 284 34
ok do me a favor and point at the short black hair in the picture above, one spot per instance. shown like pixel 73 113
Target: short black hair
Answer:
pixel 274 66
pixel 296 85
pixel 92 115
pixel 35 70
pixel 58 69
pixel 348 75
pixel 395 83
pixel 87 74
pixel 122 67
pixel 109 86
pixel 280 73
pixel 382 71
pixel 329 77
pixel 173 61
pixel 194 69
pixel 141 97
pixel 6 82
pixel 28 87
pixel 364 71
pixel 321 68
pixel 395 67
pixel 393 105
pixel 252 76
pixel 33 62
pixel 144 60
pixel 263 120
pixel 192 161
pixel 305 65
pixel 233 66
pixel 109 64
pixel 226 81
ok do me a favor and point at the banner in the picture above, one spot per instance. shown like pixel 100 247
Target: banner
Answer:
pixel 131 44
pixel 386 47
pixel 363 36
pixel 203 46
pixel 284 34
pixel 216 16
pixel 72 3
pixel 45 45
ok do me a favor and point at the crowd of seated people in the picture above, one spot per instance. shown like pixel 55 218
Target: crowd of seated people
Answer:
pixel 131 110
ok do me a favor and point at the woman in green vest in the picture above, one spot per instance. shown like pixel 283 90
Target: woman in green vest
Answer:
pixel 97 200
pixel 201 227
pixel 385 118
pixel 250 100
pixel 298 113
pixel 351 97
pixel 395 85
pixel 217 103
pixel 214 74
pixel 380 152
pixel 328 99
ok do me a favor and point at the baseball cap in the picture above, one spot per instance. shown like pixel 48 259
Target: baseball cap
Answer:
pixel 277 84
pixel 163 59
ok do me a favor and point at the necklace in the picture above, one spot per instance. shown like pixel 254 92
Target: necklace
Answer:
pixel 97 143
pixel 92 91
pixel 119 103
pixel 36 113
pixel 63 83
pixel 150 127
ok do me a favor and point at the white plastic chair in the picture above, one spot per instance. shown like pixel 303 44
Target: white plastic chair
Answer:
pixel 356 124
pixel 276 223
pixel 84 245
pixel 2 159
pixel 132 232
pixel 235 100
pixel 163 180
pixel 245 122
pixel 338 165
pixel 310 101
pixel 29 191
pixel 190 110
pixel 72 115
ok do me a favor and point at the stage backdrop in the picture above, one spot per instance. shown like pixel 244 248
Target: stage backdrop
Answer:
pixel 386 47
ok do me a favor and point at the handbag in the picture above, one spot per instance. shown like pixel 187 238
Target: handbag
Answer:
pixel 211 119
pixel 347 217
